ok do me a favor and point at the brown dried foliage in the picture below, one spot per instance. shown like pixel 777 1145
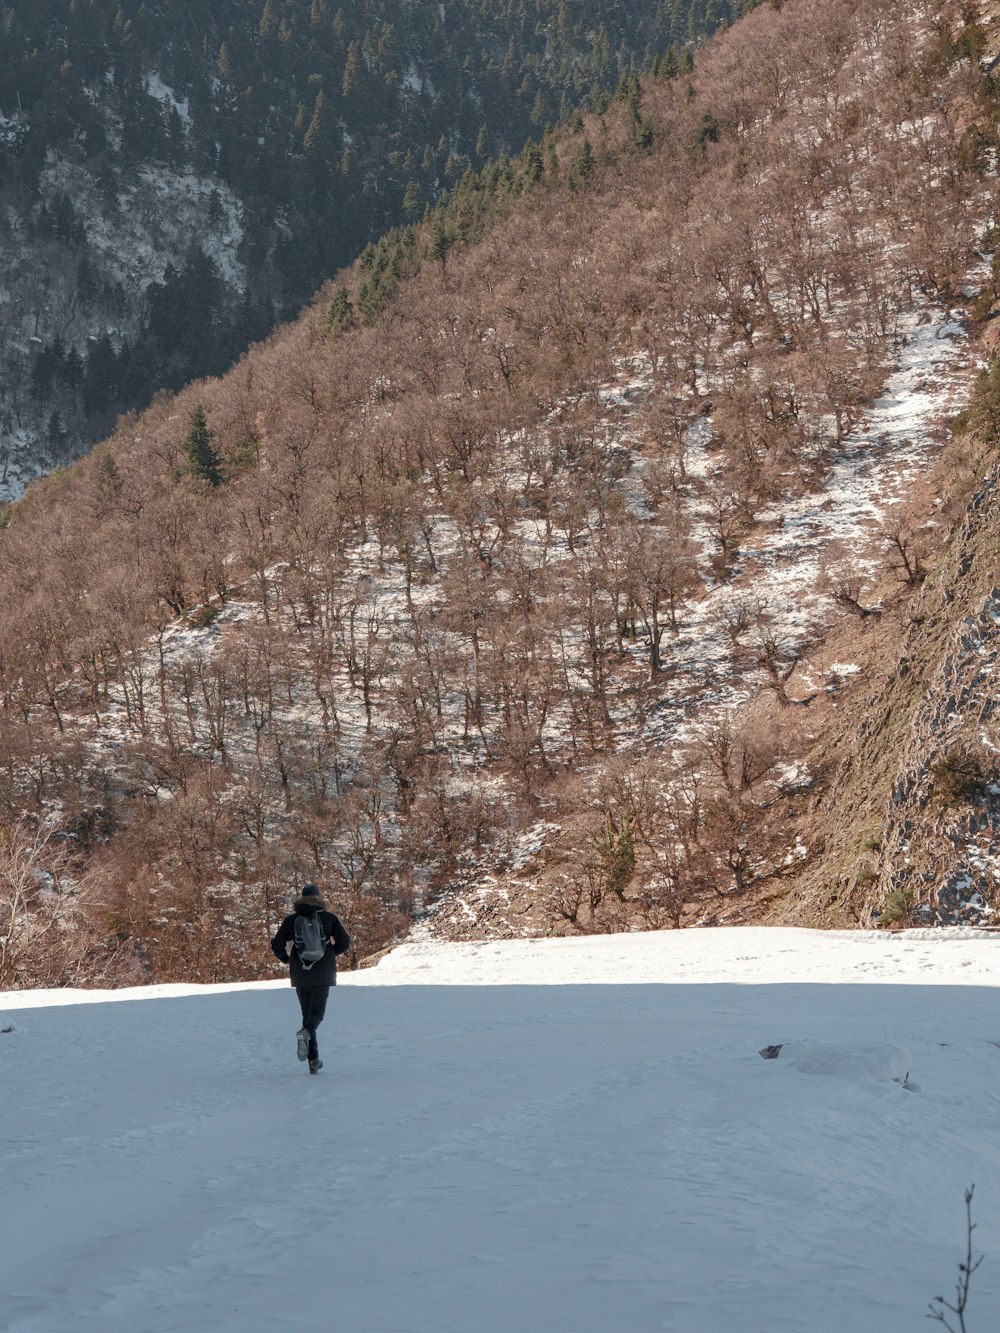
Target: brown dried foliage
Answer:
pixel 458 451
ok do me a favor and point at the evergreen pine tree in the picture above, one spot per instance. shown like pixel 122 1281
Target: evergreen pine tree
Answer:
pixel 583 166
pixel 532 165
pixel 352 70
pixel 224 64
pixel 56 431
pixel 109 482
pixel 340 312
pixel 99 378
pixel 203 461
pixel 412 200
pixel 317 136
pixel 484 143
pixel 437 250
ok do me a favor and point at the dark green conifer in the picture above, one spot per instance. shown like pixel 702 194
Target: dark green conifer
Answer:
pixel 267 21
pixel 352 70
pixel 56 431
pixel 317 136
pixel 413 204
pixel 340 312
pixel 583 166
pixel 203 461
pixel 532 167
pixel 437 250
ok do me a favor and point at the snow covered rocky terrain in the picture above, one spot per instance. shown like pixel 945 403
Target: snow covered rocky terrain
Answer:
pixel 538 1134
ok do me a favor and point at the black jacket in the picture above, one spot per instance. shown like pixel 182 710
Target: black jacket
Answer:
pixel 323 972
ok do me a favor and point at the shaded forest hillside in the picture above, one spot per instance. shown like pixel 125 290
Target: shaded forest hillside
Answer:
pixel 524 583
pixel 174 177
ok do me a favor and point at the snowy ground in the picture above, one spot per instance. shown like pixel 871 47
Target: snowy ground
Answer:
pixel 570 1140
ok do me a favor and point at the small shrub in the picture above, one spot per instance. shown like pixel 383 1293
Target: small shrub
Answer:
pixel 203 616
pixel 897 908
pixel 615 848
pixel 959 778
pixel 961 423
pixel 983 304
pixel 984 412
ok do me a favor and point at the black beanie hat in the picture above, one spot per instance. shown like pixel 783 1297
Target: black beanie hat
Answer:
pixel 310 891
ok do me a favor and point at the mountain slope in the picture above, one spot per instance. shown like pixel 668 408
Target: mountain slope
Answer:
pixel 512 576
pixel 508 1150
pixel 910 818
pixel 174 176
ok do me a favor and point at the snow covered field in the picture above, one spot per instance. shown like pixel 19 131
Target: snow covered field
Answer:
pixel 541 1135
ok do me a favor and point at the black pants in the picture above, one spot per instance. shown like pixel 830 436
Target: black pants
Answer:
pixel 313 1001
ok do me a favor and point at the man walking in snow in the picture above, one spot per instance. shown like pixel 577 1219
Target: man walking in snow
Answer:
pixel 316 938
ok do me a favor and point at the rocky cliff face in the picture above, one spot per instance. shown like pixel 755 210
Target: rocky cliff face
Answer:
pixel 989 17
pixel 910 820
pixel 942 816
pixel 907 823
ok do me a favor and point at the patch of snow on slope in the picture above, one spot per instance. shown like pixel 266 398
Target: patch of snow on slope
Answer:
pixel 782 565
pixel 163 93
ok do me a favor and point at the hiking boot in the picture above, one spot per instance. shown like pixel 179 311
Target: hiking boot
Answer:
pixel 315 1066
pixel 302 1049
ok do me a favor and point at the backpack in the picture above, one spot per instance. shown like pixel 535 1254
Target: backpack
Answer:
pixel 310 939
